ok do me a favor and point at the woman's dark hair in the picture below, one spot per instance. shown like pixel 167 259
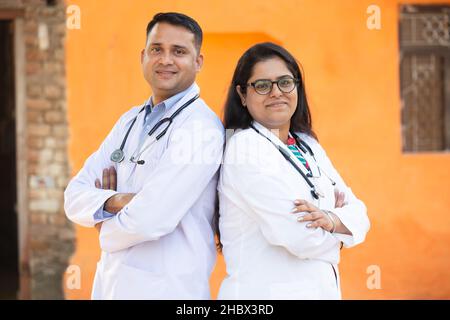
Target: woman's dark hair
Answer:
pixel 238 117
pixel 178 19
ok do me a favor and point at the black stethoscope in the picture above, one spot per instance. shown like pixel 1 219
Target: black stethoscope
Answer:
pixel 304 147
pixel 118 155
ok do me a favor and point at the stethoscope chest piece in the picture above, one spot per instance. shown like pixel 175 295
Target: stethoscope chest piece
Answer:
pixel 117 156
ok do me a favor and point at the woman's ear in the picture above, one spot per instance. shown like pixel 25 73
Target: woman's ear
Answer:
pixel 241 95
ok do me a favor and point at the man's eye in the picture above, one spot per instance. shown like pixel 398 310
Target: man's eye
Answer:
pixel 155 50
pixel 179 52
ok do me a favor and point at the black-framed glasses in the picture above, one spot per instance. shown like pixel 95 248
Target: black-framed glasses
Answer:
pixel 264 86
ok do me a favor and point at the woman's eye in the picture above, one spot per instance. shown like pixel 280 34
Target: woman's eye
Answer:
pixel 285 82
pixel 261 85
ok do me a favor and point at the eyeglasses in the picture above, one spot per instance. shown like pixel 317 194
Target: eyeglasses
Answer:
pixel 264 86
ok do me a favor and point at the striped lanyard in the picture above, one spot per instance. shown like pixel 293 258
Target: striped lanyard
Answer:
pixel 292 145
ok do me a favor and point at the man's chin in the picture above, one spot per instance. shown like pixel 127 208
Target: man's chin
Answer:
pixel 166 91
pixel 164 85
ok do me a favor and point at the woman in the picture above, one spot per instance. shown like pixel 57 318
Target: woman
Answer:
pixel 282 221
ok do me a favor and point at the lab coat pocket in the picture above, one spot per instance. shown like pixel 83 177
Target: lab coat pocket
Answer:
pixel 152 151
pixel 137 284
pixel 335 275
pixel 150 160
pixel 96 293
pixel 336 283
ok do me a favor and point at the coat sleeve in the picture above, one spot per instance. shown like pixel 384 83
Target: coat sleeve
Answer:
pixel 82 200
pixel 189 164
pixel 252 175
pixel 354 212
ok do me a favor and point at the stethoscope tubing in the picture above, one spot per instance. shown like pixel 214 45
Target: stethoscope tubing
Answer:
pixel 155 127
pixel 303 145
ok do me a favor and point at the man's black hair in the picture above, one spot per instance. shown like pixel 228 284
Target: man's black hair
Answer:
pixel 178 19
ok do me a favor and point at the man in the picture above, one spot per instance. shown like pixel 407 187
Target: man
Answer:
pixel 155 202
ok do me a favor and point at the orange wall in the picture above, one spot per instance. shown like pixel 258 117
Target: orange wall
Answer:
pixel 352 79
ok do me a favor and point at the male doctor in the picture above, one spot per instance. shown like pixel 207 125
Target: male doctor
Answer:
pixel 153 200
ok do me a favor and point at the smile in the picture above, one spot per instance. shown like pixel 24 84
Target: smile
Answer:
pixel 277 105
pixel 166 73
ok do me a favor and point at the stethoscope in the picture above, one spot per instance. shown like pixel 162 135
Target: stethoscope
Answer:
pixel 316 193
pixel 118 155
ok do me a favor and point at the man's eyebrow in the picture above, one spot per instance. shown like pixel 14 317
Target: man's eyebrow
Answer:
pixel 179 46
pixel 176 46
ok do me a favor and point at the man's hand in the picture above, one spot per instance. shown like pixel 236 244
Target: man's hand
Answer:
pixel 109 182
pixel 115 203
pixel 109 179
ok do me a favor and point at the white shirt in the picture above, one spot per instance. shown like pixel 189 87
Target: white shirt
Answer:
pixel 161 244
pixel 268 253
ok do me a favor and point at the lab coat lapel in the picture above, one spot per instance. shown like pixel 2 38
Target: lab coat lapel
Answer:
pixel 126 168
pixel 312 164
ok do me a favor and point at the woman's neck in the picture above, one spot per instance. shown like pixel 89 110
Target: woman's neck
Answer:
pixel 284 134
pixel 281 132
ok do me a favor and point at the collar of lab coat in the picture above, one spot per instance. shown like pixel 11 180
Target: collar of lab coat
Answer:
pixel 168 103
pixel 274 138
pixel 192 92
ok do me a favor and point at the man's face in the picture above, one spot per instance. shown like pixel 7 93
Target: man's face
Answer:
pixel 170 60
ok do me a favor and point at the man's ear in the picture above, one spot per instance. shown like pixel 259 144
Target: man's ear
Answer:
pixel 199 62
pixel 142 55
pixel 241 95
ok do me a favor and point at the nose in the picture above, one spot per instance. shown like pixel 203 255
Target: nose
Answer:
pixel 275 92
pixel 166 59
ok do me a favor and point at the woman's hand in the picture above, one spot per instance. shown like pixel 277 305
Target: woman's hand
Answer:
pixel 319 218
pixel 340 198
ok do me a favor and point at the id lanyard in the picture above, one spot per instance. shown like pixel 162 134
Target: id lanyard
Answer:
pixel 315 191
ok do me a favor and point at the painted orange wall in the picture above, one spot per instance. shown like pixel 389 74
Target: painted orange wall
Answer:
pixel 352 79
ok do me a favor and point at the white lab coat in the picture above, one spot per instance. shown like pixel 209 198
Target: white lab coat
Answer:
pixel 161 245
pixel 268 253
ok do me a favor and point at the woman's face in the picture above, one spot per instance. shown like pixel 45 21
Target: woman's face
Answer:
pixel 275 109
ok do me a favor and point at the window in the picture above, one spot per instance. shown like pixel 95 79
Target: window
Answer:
pixel 425 77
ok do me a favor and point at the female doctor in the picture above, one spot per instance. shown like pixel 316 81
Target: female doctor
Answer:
pixel 280 225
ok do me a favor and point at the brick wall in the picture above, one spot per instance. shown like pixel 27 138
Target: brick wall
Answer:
pixel 50 235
